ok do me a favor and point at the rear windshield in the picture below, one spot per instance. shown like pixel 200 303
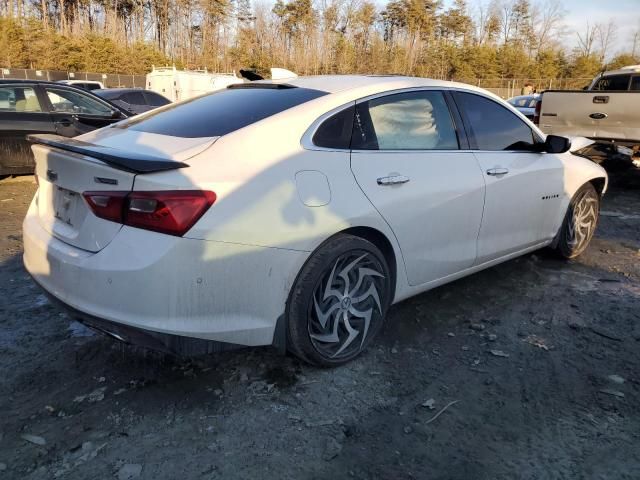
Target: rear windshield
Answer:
pixel 613 82
pixel 221 112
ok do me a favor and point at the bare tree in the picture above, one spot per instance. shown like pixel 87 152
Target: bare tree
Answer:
pixel 606 35
pixel 587 39
pixel 547 22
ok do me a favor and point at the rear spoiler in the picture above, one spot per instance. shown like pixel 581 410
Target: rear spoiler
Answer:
pixel 128 161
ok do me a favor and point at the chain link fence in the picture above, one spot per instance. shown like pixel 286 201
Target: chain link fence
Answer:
pixel 511 87
pixel 503 87
pixel 109 80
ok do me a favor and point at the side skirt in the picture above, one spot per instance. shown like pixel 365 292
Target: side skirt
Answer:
pixel 410 292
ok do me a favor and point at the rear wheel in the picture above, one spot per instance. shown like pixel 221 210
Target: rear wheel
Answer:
pixel 338 302
pixel 579 222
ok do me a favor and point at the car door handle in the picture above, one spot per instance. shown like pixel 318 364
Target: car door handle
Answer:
pixel 65 122
pixel 497 171
pixel 393 180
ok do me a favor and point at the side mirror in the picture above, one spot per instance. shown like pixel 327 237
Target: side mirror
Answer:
pixel 556 144
pixel 116 114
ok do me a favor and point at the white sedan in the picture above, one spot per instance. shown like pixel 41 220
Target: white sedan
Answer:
pixel 296 213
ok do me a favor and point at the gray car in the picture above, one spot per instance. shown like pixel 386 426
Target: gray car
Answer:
pixel 134 100
pixel 525 104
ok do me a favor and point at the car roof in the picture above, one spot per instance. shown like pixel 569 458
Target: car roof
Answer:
pixel 628 70
pixel 6 81
pixel 371 83
pixel 75 80
pixel 116 90
pixel 518 97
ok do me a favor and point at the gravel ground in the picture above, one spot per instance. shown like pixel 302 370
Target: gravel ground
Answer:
pixel 540 356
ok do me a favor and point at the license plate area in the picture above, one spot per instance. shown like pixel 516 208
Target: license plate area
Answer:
pixel 65 205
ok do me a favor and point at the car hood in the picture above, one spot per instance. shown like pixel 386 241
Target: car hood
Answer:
pixel 578 143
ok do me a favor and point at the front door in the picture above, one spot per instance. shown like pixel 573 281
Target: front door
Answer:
pixel 75 112
pixel 524 187
pixel 406 158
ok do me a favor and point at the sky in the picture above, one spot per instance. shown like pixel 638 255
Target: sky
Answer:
pixel 624 13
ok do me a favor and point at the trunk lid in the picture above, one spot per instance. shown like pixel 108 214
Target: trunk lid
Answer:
pixel 66 168
pixel 62 211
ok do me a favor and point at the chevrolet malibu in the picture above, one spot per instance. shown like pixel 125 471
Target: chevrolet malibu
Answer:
pixel 296 213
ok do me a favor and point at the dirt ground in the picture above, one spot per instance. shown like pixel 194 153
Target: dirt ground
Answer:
pixel 542 357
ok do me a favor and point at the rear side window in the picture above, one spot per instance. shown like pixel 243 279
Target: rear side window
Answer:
pixel 134 98
pixel 335 132
pixel 520 101
pixel 404 121
pixel 220 112
pixel 19 99
pixel 492 126
pixel 613 82
pixel 156 100
pixel 635 83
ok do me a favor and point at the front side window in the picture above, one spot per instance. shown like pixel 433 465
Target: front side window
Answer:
pixel 19 99
pixel 68 101
pixel 612 82
pixel 404 121
pixel 635 83
pixel 492 126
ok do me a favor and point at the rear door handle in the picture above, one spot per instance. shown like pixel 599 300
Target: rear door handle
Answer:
pixel 497 171
pixel 65 122
pixel 393 180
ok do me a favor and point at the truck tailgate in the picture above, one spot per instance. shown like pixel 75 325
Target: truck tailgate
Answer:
pixel 594 114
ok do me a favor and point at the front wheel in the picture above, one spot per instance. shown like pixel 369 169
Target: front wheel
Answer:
pixel 338 302
pixel 579 222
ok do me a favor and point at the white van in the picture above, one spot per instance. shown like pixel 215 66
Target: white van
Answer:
pixel 179 85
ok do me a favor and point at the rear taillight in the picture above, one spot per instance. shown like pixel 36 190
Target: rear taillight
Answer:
pixel 172 212
pixel 107 205
pixel 536 114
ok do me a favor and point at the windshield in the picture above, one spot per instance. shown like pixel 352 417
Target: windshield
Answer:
pixel 221 112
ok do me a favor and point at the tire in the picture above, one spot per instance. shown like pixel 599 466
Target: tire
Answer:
pixel 338 302
pixel 579 223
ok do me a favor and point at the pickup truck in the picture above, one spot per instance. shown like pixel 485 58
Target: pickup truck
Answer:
pixel 608 111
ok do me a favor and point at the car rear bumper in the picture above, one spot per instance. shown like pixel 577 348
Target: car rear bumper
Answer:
pixel 158 283
pixel 160 342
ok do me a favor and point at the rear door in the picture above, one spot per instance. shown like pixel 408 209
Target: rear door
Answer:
pixel 524 188
pixel 75 112
pixel 406 157
pixel 21 113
